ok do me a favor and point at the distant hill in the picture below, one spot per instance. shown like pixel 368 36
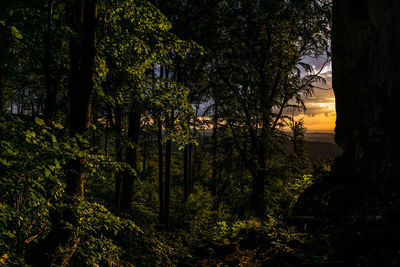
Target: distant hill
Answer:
pixel 317 149
pixel 317 144
pixel 326 137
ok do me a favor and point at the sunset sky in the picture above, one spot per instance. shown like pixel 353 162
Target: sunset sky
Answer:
pixel 320 115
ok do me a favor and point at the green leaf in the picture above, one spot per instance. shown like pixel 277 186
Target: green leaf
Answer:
pixel 47 172
pixel 39 121
pixel 58 125
pixel 53 139
pixel 57 163
pixel 30 134
pixel 16 33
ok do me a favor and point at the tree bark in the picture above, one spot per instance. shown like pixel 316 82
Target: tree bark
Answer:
pixel 131 158
pixel 214 151
pixel 82 76
pixel 145 155
pixel 364 185
pixel 167 182
pixel 160 171
pixel 3 98
pixel 365 42
pixel 51 88
pixel 185 174
pixel 60 244
pixel 190 168
pixel 118 148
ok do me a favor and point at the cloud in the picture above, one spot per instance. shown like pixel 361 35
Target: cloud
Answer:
pixel 320 99
pixel 326 69
pixel 323 100
pixel 319 110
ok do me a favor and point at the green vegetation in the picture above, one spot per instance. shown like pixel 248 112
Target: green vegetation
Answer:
pixel 151 132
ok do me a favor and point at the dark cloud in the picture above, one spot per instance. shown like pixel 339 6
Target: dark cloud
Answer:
pixel 318 110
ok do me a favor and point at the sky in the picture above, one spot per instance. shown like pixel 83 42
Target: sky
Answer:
pixel 320 114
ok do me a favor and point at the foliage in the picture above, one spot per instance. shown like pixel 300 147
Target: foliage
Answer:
pixel 100 228
pixel 194 217
pixel 272 234
pixel 240 64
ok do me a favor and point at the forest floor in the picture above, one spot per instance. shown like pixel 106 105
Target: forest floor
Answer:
pixel 219 254
pixel 237 257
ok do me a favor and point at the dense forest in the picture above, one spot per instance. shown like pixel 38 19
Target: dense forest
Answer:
pixel 164 133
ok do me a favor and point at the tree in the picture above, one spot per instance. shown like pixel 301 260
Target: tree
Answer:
pixel 297 138
pixel 256 65
pixel 60 244
pixel 129 60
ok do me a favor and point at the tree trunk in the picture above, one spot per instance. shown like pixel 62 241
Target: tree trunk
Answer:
pixel 60 244
pixel 82 66
pixel 118 156
pixel 258 194
pixel 3 98
pixel 146 149
pixel 365 42
pixel 160 171
pixel 185 174
pixel 22 102
pixel 190 168
pixel 131 158
pixel 32 108
pixel 214 151
pixel 193 162
pixel 51 90
pixel 194 168
pixel 364 185
pixel 167 182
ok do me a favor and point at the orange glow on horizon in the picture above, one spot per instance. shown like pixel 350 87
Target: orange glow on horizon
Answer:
pixel 319 123
pixel 323 121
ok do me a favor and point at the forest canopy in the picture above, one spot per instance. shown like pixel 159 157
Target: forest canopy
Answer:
pixel 149 133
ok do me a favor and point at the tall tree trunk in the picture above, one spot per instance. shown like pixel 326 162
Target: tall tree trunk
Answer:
pixel 185 174
pixel 214 151
pixel 259 180
pixel 193 163
pixel 32 108
pixel 167 182
pixel 168 124
pixel 131 158
pixel 144 161
pixel 82 66
pixel 364 184
pixel 265 101
pixel 60 244
pixel 3 98
pixel 160 170
pixel 168 153
pixel 258 194
pixel 118 156
pixel 51 90
pixel 190 167
pixel 367 32
pixel 194 167
pixel 106 144
pixel 198 164
pixel 107 137
pixel 22 102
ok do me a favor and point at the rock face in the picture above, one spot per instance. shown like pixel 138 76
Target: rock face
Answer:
pixel 363 191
